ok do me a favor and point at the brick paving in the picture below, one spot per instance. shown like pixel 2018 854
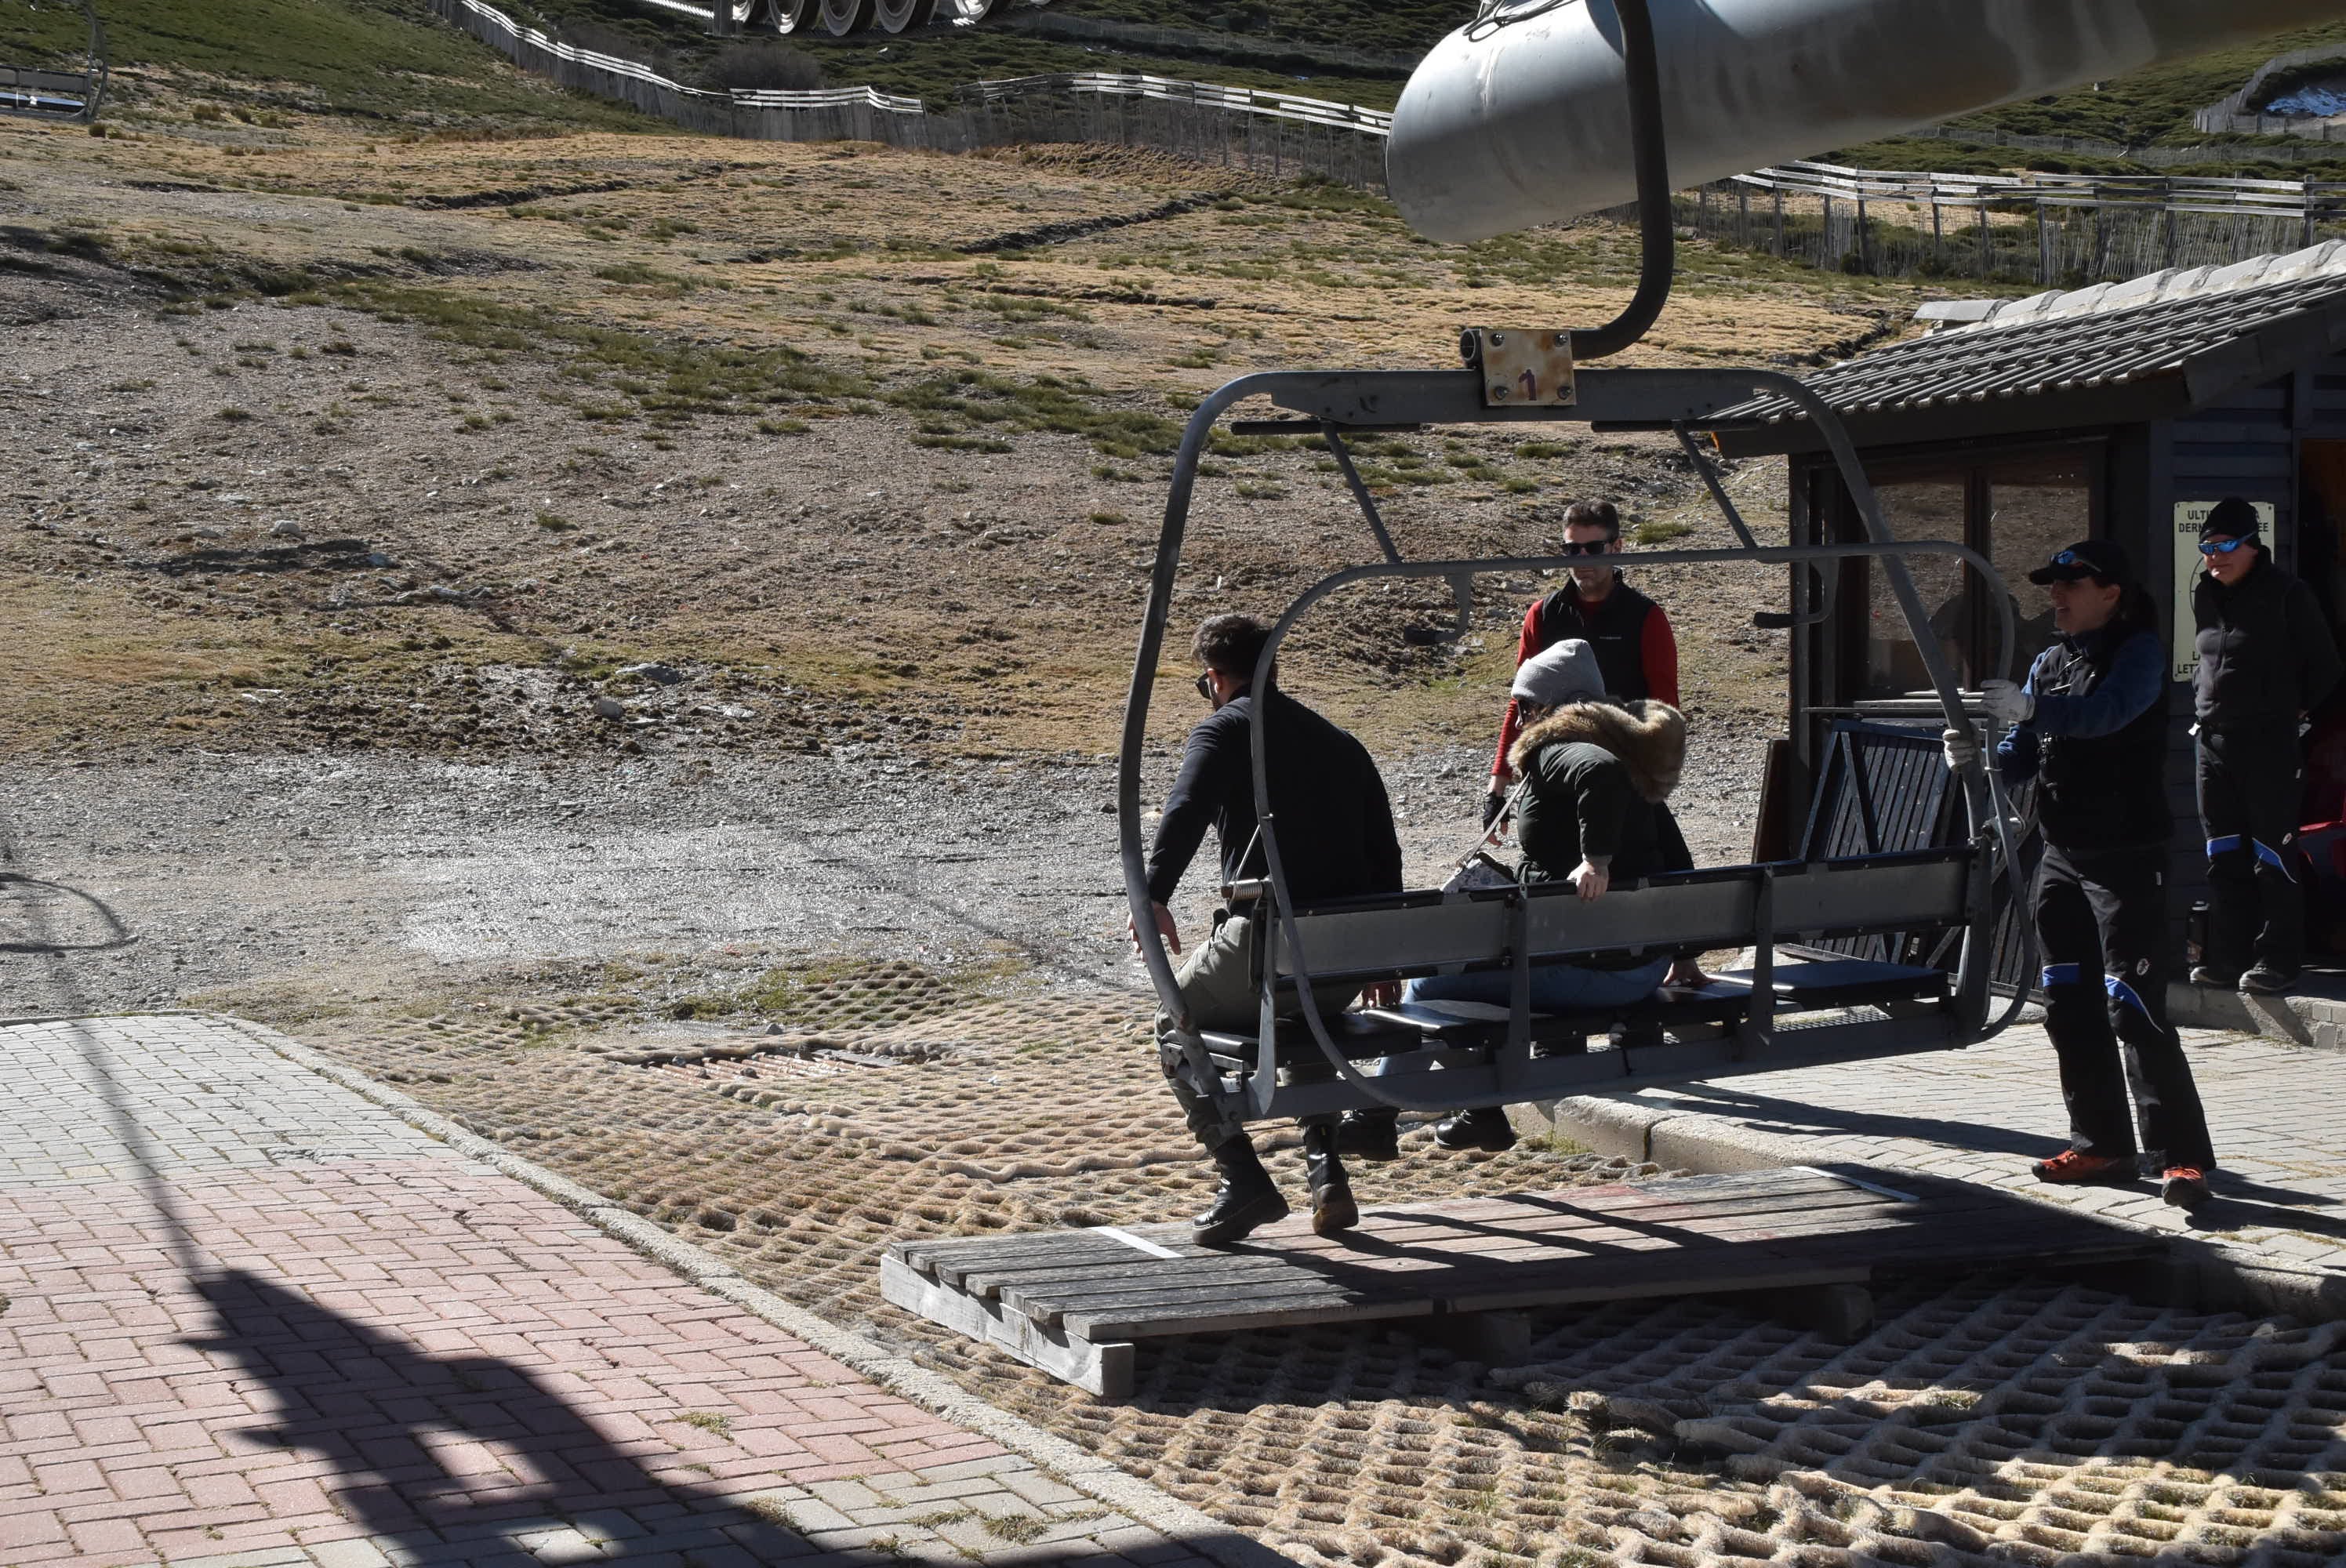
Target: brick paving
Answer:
pixel 248 1317
pixel 1983 1114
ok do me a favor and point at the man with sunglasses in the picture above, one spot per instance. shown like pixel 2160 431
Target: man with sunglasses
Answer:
pixel 1635 646
pixel 1336 841
pixel 2089 725
pixel 2265 660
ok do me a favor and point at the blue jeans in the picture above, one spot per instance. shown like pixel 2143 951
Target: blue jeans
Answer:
pixel 1555 987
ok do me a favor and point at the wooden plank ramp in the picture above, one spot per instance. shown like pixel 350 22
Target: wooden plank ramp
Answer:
pixel 1075 1302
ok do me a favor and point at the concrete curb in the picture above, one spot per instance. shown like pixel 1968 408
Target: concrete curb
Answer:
pixel 1097 1478
pixel 2196 1273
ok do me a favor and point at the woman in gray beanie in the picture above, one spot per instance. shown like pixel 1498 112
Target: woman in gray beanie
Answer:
pixel 1595 775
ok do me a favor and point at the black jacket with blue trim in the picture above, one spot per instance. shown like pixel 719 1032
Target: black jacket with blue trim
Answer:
pixel 2096 745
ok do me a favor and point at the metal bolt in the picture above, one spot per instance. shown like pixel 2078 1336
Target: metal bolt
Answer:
pixel 1498 392
pixel 1564 339
pixel 1498 338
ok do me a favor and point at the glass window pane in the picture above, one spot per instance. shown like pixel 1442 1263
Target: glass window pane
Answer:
pixel 1921 508
pixel 2035 506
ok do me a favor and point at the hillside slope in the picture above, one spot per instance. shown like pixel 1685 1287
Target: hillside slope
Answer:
pixel 388 59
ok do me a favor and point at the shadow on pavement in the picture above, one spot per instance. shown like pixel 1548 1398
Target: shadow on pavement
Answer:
pixel 407 1434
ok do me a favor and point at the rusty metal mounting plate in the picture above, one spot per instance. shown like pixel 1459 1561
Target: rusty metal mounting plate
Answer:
pixel 1523 367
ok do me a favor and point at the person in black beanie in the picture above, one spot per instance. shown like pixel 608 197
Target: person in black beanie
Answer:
pixel 2089 725
pixel 2266 659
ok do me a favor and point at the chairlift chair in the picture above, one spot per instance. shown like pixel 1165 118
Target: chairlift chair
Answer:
pixel 1783 1011
pixel 46 92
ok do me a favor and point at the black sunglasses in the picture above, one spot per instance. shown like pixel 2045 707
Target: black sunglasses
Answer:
pixel 1205 686
pixel 1588 547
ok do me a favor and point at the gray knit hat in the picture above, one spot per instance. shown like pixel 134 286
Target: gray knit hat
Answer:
pixel 1564 673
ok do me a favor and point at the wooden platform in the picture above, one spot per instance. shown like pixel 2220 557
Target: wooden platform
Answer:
pixel 1075 1302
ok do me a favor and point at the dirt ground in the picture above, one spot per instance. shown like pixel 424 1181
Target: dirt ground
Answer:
pixel 415 541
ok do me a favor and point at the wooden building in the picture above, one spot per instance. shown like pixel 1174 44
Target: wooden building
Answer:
pixel 2121 410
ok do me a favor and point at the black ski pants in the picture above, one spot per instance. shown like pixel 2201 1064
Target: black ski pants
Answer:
pixel 2251 783
pixel 2101 920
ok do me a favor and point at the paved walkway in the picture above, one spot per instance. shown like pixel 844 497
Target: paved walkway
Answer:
pixel 247 1317
pixel 2278 1113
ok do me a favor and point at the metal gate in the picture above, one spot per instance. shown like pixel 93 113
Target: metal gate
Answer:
pixel 1884 788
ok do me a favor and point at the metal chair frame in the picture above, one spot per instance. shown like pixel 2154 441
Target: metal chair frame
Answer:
pixel 39 93
pixel 1681 401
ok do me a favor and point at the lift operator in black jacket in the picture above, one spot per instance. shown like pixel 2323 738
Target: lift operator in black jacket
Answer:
pixel 2090 727
pixel 2265 660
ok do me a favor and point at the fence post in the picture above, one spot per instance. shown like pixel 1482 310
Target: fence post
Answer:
pixel 1779 193
pixel 1938 233
pixel 1826 254
pixel 1743 216
pixel 1987 240
pixel 2044 255
pixel 1864 241
pixel 2172 237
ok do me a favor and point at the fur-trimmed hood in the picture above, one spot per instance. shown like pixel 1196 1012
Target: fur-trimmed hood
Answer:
pixel 1648 737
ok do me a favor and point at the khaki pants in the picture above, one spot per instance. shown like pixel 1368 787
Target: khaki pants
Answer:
pixel 1222 996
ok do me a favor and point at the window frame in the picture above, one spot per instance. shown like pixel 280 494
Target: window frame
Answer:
pixel 1845 643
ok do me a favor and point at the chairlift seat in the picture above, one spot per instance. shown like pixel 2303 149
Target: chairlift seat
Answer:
pixel 1848 982
pixel 1463 1054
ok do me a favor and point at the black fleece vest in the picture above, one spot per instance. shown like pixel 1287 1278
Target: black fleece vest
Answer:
pixel 1614 626
pixel 2107 792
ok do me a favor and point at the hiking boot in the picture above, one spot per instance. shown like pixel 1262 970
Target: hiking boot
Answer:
pixel 1333 1208
pixel 2185 1186
pixel 2265 979
pixel 1247 1199
pixel 1487 1129
pixel 2210 975
pixel 2070 1168
pixel 1370 1135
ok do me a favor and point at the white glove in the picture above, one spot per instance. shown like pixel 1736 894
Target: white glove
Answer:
pixel 1961 747
pixel 2006 703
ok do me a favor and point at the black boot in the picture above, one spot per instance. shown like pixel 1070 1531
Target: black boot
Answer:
pixel 1487 1129
pixel 1247 1198
pixel 1372 1135
pixel 1333 1208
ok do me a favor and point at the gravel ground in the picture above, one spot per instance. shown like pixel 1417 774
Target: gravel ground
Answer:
pixel 288 884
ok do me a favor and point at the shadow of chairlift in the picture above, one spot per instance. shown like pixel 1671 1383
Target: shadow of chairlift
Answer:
pixel 42 92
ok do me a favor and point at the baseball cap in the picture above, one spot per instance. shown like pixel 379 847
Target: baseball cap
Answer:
pixel 2087 558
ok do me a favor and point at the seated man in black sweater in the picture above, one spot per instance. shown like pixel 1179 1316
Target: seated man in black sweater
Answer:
pixel 1336 841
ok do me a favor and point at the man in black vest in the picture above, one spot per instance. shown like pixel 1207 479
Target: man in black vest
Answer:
pixel 1632 638
pixel 2265 660
pixel 2090 727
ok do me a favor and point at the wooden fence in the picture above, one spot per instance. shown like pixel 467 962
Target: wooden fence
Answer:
pixel 1240 127
pixel 2045 228
pixel 2035 228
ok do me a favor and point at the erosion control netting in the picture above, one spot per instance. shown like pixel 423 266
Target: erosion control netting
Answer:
pixel 2000 1422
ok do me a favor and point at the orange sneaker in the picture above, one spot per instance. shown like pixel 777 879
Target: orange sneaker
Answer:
pixel 2186 1186
pixel 2070 1168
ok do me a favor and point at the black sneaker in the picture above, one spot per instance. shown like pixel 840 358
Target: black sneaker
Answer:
pixel 1487 1129
pixel 2264 979
pixel 2220 979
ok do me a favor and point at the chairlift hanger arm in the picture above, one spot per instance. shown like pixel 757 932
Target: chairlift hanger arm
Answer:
pixel 1657 224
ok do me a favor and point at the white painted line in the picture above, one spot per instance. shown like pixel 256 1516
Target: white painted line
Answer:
pixel 1870 1187
pixel 1126 1236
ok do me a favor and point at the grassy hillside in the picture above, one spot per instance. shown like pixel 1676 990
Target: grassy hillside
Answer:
pixel 387 57
pixel 2154 106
